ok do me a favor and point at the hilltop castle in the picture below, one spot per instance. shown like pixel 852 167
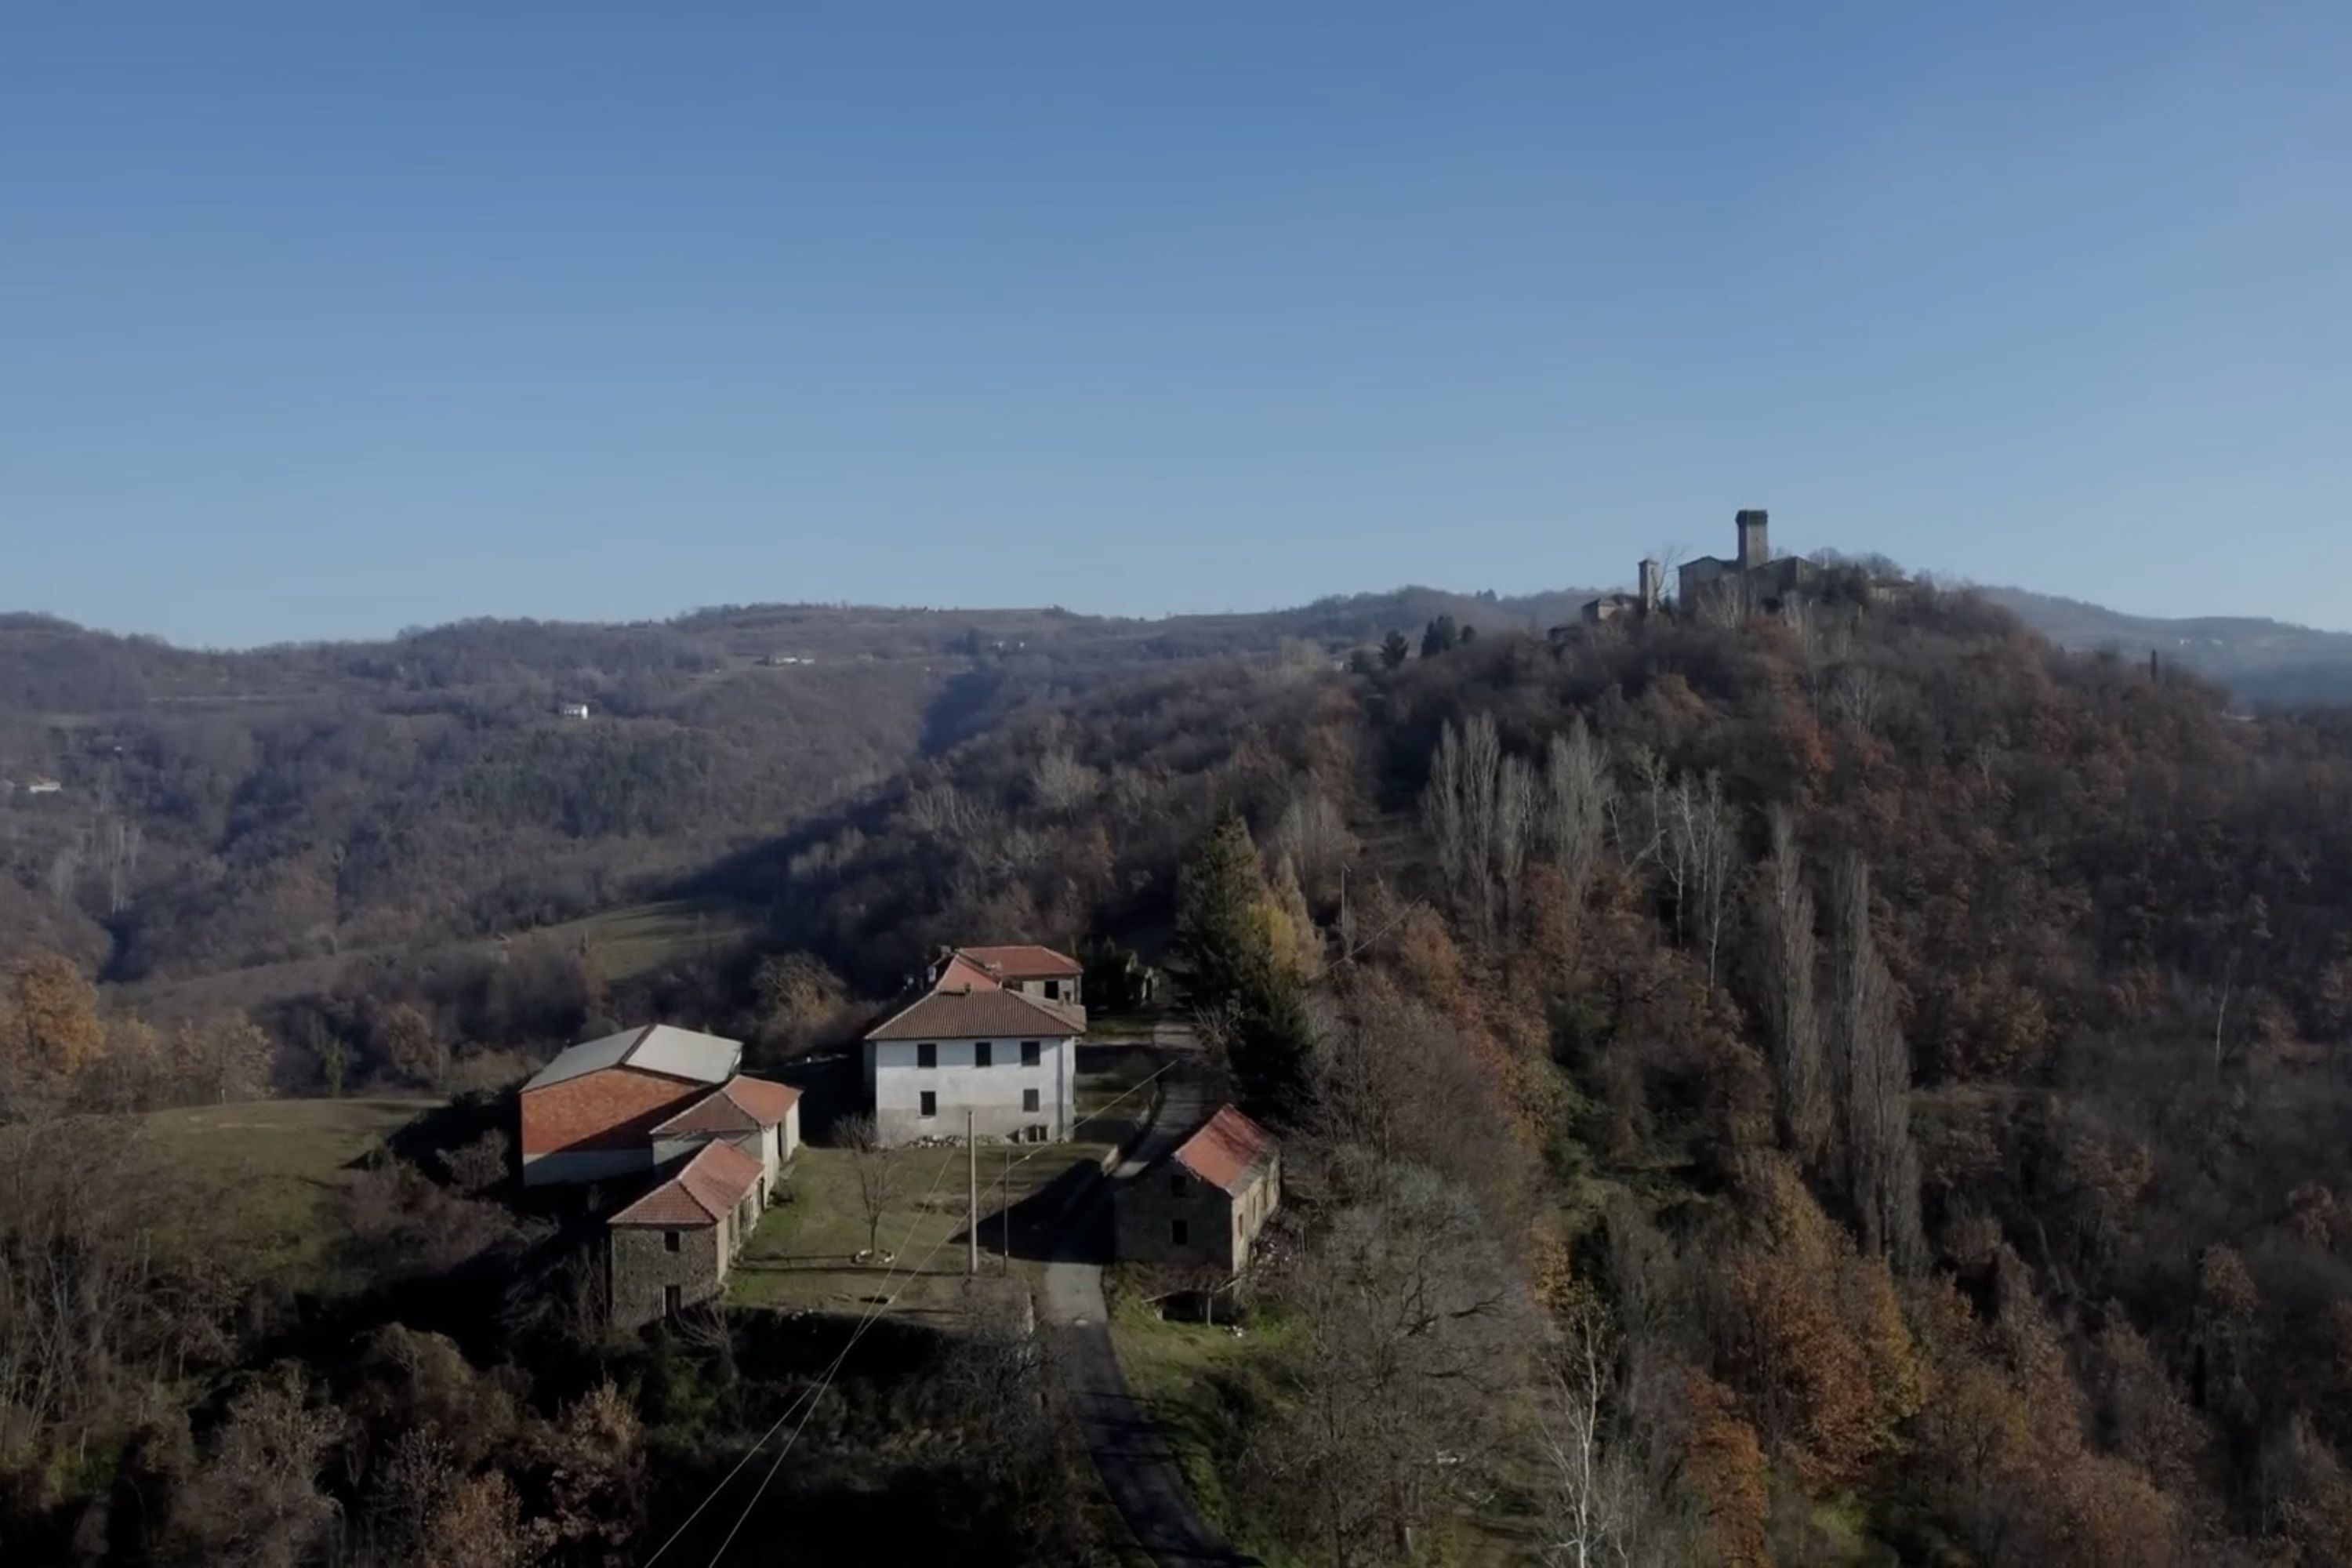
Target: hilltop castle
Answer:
pixel 1752 572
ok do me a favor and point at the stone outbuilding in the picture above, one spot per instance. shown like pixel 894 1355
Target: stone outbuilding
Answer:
pixel 1201 1206
pixel 762 1119
pixel 675 1246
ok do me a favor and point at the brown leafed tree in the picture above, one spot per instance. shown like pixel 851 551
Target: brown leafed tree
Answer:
pixel 50 1031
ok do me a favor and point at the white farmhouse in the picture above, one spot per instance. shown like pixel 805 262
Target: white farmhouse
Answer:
pixel 970 1045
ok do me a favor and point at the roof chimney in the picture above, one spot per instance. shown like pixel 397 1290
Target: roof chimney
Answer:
pixel 1755 547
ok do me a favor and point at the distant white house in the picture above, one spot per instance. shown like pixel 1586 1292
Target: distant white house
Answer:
pixel 972 1047
pixel 42 786
pixel 574 710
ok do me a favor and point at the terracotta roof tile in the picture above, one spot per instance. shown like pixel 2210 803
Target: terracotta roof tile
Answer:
pixel 719 1177
pixel 768 1103
pixel 740 1105
pixel 977 1014
pixel 1025 960
pixel 1226 1151
pixel 962 974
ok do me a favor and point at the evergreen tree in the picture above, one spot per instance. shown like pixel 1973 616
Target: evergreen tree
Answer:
pixel 1440 637
pixel 1234 971
pixel 1394 649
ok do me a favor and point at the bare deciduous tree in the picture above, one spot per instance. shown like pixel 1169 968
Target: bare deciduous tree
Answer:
pixel 1061 782
pixel 1515 814
pixel 1702 849
pixel 1591 1496
pixel 1410 1334
pixel 1854 695
pixel 1873 1070
pixel 1785 918
pixel 1313 832
pixel 878 1176
pixel 1446 815
pixel 1577 795
pixel 1482 761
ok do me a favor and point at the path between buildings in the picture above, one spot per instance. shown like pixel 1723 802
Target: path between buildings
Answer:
pixel 1136 1467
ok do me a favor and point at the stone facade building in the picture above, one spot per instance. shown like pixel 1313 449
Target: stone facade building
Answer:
pixel 675 1246
pixel 1201 1206
pixel 1753 572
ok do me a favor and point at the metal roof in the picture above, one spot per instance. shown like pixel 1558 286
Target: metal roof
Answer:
pixel 661 1049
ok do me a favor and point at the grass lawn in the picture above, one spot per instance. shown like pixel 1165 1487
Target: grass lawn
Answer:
pixel 268 1167
pixel 1183 1372
pixel 803 1255
pixel 628 942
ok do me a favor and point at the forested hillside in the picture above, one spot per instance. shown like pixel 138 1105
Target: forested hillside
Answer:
pixel 1855 1086
pixel 223 811
pixel 1914 1057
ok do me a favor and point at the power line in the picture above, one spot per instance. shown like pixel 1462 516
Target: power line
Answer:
pixel 865 1322
pixel 809 1395
pixel 823 1383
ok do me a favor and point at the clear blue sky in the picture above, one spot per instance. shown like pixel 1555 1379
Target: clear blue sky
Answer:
pixel 326 319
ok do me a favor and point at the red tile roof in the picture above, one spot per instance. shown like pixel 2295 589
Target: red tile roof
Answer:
pixel 768 1103
pixel 1228 1151
pixel 1025 960
pixel 740 1105
pixel 961 973
pixel 976 1015
pixel 719 1177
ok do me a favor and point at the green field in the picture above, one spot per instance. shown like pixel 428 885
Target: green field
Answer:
pixel 803 1255
pixel 627 942
pixel 268 1170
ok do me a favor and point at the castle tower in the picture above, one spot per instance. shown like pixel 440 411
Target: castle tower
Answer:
pixel 1755 546
pixel 1654 582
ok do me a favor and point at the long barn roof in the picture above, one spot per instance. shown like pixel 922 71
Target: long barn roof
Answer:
pixel 661 1049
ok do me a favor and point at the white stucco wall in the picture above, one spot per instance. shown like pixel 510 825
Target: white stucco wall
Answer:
pixel 993 1093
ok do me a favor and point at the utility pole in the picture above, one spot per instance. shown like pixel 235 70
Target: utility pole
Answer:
pixel 970 1197
pixel 1004 1199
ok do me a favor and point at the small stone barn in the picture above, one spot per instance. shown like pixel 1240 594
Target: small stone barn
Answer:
pixel 674 1246
pixel 1201 1206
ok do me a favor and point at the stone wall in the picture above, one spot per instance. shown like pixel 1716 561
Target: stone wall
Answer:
pixel 643 1265
pixel 1148 1209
